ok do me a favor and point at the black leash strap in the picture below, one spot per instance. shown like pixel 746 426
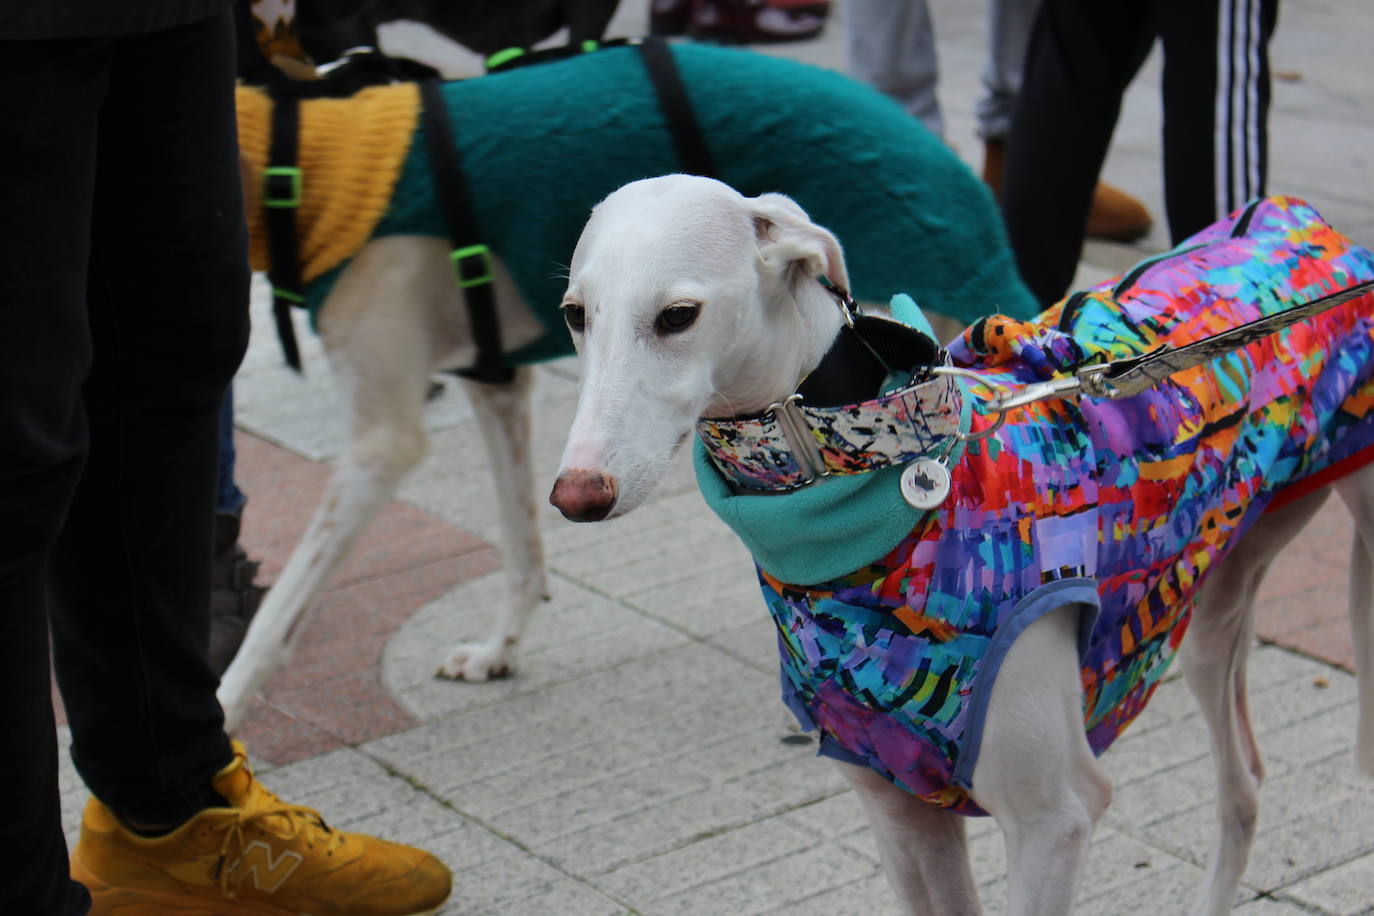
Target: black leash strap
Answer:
pixel 692 152
pixel 471 258
pixel 281 196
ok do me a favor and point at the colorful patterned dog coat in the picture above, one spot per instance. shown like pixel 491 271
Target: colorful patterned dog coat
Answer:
pixel 1119 507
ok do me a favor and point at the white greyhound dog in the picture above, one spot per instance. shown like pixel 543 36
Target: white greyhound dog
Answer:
pixel 688 300
pixel 367 216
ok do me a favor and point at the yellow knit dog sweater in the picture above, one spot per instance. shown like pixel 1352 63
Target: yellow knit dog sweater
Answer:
pixel 350 154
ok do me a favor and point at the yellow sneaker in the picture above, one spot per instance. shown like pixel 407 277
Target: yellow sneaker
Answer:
pixel 260 857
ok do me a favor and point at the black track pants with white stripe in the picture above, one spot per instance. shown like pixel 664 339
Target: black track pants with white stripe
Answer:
pixel 1083 54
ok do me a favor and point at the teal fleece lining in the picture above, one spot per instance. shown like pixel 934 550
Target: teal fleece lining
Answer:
pixel 833 526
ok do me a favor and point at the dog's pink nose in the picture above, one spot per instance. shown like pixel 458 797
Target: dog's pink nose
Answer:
pixel 583 496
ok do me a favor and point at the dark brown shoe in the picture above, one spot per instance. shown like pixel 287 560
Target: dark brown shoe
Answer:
pixel 1114 215
pixel 234 597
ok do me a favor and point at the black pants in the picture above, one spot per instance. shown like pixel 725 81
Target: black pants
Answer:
pixel 1082 56
pixel 123 294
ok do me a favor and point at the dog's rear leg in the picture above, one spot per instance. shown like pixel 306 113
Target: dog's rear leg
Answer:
pixel 1357 492
pixel 503 411
pixel 1214 657
pixel 922 847
pixel 1036 773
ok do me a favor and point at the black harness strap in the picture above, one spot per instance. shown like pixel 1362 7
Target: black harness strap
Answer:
pixel 692 152
pixel 281 195
pixel 471 258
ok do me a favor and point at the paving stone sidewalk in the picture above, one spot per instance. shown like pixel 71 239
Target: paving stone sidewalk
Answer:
pixel 640 761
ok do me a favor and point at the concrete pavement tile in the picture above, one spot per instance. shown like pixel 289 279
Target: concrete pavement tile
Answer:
pixel 489 873
pixel 675 698
pixel 635 564
pixel 654 831
pixel 1286 798
pixel 1268 906
pixel 1324 734
pixel 838 817
pixel 568 898
pixel 543 826
pixel 1314 843
pixel 691 666
pixel 1137 754
pixel 1169 889
pixel 1276 667
pixel 1124 874
pixel 418 821
pixel 596 752
pixel 564 641
pixel 1284 851
pixel 800 780
pixel 343 785
pixel 1170 792
pixel 755 643
pixel 870 895
pixel 725 599
pixel 708 858
pixel 1346 890
pixel 1172 731
pixel 1309 694
pixel 788 880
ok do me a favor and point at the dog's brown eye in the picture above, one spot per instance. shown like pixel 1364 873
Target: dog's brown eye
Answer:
pixel 676 318
pixel 575 316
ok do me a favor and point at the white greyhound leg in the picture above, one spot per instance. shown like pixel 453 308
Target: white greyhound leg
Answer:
pixel 922 847
pixel 1357 492
pixel 503 411
pixel 381 364
pixel 1036 773
pixel 1215 653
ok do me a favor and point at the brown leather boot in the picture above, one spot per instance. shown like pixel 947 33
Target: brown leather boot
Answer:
pixel 1114 215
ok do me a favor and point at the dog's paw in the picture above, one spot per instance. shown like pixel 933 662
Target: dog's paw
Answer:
pixel 476 662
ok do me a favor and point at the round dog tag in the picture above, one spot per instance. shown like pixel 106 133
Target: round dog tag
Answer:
pixel 925 483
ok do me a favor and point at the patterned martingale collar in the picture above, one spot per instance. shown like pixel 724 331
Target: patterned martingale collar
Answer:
pixel 825 430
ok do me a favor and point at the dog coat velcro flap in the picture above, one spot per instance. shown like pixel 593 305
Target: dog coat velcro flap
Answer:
pixel 1118 507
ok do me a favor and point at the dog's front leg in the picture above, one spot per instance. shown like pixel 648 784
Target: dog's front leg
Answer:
pixel 382 380
pixel 922 847
pixel 1036 773
pixel 355 494
pixel 503 412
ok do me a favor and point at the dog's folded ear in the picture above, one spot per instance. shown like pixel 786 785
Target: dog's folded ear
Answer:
pixel 789 242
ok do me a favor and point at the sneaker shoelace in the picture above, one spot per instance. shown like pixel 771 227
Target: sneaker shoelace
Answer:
pixel 266 813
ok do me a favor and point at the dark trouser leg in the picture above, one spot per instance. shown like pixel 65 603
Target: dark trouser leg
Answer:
pixel 49 94
pixel 130 575
pixel 1216 107
pixel 1082 55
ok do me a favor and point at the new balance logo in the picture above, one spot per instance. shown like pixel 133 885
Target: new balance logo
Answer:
pixel 267 873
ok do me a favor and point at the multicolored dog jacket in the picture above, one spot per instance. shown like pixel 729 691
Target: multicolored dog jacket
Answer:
pixel 1119 507
pixel 542 144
